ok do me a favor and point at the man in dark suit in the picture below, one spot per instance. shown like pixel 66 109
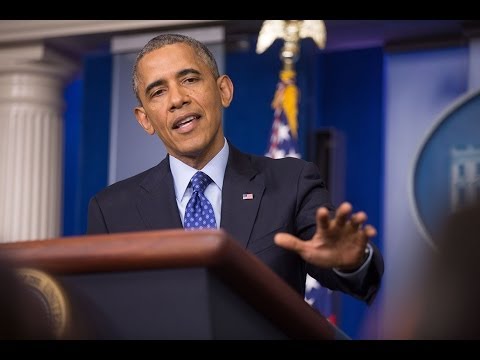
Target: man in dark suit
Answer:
pixel 277 209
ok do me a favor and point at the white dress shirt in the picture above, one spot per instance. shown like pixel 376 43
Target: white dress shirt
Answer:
pixel 182 173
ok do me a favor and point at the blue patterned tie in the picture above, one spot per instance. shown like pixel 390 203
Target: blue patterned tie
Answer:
pixel 199 212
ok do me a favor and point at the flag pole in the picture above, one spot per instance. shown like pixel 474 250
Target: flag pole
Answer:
pixel 284 134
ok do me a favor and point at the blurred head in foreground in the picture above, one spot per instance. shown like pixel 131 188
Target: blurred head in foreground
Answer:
pixel 449 303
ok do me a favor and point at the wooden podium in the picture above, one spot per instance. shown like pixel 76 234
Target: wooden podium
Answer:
pixel 171 284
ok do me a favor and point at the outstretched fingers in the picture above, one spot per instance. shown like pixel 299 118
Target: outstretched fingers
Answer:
pixel 323 218
pixel 343 213
pixel 364 235
pixel 358 219
pixel 370 231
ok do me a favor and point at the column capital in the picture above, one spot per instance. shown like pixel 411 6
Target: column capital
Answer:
pixel 36 57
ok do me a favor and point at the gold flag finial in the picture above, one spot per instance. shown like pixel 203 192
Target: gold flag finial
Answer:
pixel 291 31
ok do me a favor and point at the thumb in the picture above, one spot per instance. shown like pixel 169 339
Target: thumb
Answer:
pixel 289 242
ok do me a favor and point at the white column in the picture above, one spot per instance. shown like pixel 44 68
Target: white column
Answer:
pixel 31 142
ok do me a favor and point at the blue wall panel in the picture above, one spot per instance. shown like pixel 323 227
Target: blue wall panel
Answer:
pixel 87 134
pixel 353 104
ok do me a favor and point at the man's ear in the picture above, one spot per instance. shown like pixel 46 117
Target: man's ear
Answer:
pixel 143 120
pixel 225 85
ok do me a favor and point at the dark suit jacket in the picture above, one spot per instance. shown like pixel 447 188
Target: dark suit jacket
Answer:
pixel 286 194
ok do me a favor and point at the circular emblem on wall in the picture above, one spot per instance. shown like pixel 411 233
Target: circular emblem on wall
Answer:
pixel 50 298
pixel 446 171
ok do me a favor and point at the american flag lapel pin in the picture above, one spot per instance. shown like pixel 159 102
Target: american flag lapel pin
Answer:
pixel 247 196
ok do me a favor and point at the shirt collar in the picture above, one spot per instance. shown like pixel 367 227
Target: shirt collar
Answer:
pixel 182 173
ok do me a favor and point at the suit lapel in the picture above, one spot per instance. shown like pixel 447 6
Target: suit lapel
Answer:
pixel 157 204
pixel 238 214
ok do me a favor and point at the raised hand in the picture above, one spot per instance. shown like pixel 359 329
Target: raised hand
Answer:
pixel 337 243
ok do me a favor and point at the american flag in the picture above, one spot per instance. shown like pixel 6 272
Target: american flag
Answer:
pixel 283 138
pixel 326 301
pixel 283 143
pixel 247 196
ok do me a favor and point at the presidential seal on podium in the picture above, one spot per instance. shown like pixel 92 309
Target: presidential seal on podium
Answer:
pixel 49 298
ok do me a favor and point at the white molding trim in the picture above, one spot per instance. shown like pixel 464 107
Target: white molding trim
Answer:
pixel 28 30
